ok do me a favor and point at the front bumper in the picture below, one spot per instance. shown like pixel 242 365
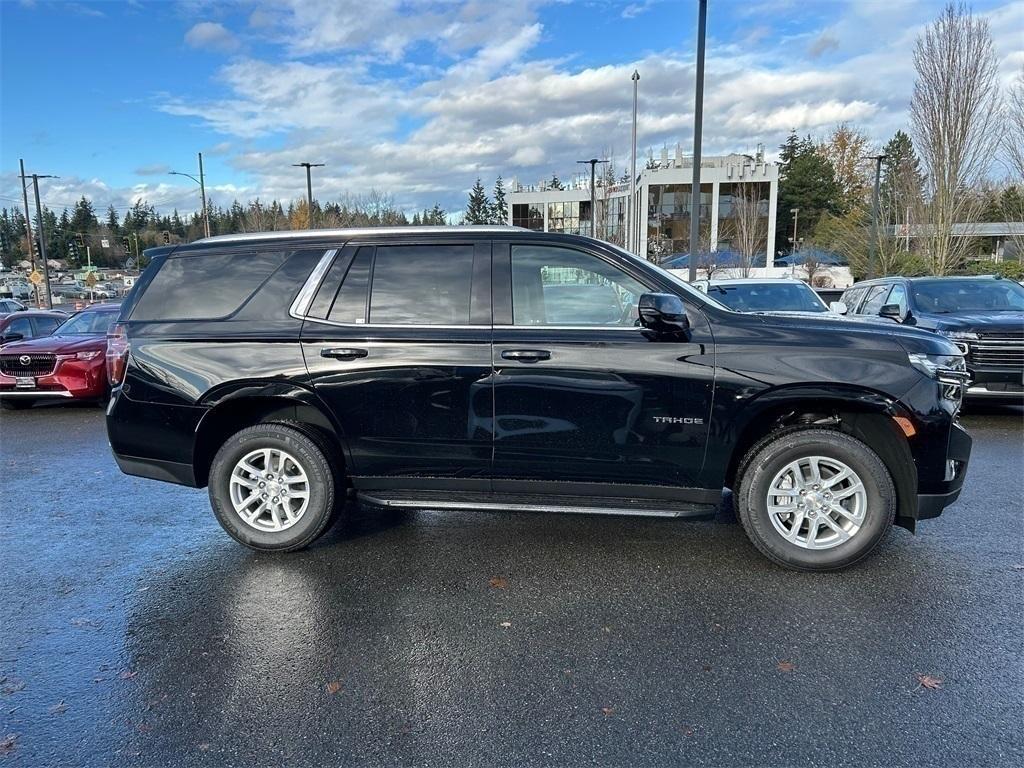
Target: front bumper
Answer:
pixel 958 455
pixel 70 378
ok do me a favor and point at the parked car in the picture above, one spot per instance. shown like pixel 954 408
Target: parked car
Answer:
pixel 69 363
pixel 72 291
pixel 983 316
pixel 829 295
pixel 10 305
pixel 439 367
pixel 763 295
pixel 28 324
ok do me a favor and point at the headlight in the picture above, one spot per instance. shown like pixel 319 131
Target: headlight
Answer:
pixel 949 370
pixel 961 339
pixel 91 354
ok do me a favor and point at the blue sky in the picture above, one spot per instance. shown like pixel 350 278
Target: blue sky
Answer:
pixel 417 99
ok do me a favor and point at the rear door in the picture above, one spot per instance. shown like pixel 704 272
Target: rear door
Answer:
pixel 582 394
pixel 398 345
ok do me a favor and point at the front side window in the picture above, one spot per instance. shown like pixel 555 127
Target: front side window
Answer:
pixel 898 296
pixel 46 325
pixel 875 300
pixel 22 325
pixel 421 285
pixel 561 286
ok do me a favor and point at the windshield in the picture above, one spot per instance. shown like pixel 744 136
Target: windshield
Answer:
pixel 87 324
pixel 945 296
pixel 767 297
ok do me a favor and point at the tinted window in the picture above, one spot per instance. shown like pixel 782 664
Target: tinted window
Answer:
pixel 898 295
pixel 767 297
pixel 968 296
pixel 852 297
pixel 559 286
pixel 350 303
pixel 207 286
pixel 321 304
pixel 422 285
pixel 88 323
pixel 875 299
pixel 46 325
pixel 20 325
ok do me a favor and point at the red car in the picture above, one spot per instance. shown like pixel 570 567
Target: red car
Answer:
pixel 28 324
pixel 71 363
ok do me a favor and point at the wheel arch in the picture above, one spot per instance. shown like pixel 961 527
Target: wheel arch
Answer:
pixel 865 414
pixel 245 404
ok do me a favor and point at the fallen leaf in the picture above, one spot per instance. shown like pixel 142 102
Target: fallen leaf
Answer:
pixel 930 682
pixel 204 747
pixel 128 674
pixel 59 708
pixel 506 624
pixel 7 743
pixel 498 582
pixel 12 685
pixel 785 666
pixel 333 687
pixel 608 711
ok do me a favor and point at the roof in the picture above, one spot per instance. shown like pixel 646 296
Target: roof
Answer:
pixel 297 234
pixel 754 281
pixel 921 278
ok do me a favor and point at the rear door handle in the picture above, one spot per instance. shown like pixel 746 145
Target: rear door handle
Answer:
pixel 343 353
pixel 526 355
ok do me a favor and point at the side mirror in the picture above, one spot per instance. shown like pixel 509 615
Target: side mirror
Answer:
pixel 663 313
pixel 839 307
pixel 7 338
pixel 891 311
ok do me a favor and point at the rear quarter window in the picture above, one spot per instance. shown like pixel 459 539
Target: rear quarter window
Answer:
pixel 205 286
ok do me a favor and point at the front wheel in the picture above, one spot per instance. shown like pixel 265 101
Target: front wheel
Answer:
pixel 815 499
pixel 272 487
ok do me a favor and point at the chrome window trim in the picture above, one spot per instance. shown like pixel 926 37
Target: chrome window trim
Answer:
pixel 413 326
pixel 391 325
pixel 300 307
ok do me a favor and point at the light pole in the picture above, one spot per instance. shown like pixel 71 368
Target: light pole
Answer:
pixel 201 181
pixel 632 208
pixel 309 189
pixel 796 218
pixel 42 236
pixel 28 229
pixel 873 245
pixel 593 194
pixel 698 119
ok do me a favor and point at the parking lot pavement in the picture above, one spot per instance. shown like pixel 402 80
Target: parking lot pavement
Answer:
pixel 134 632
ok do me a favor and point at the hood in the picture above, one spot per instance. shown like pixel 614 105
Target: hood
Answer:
pixel 818 324
pixel 55 345
pixel 977 322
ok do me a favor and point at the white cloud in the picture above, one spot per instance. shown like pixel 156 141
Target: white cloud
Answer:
pixel 211 34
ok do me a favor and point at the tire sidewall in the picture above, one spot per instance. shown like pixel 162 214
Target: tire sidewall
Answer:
pixel 881 499
pixel 314 464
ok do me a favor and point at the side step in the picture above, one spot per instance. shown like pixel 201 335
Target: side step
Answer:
pixel 524 502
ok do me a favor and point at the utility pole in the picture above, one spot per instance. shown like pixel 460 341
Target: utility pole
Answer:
pixel 201 181
pixel 42 237
pixel 309 189
pixel 873 245
pixel 592 162
pixel 698 119
pixel 633 229
pixel 28 231
pixel 796 218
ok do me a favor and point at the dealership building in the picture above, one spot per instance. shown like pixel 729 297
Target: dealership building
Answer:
pixel 738 197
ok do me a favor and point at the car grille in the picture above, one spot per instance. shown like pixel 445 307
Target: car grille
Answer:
pixel 34 365
pixel 998 350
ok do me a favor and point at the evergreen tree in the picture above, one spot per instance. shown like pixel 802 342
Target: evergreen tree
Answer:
pixel 83 218
pixel 807 182
pixel 478 208
pixel 438 215
pixel 499 210
pixel 416 220
pixel 112 222
pixel 902 181
pixel 555 183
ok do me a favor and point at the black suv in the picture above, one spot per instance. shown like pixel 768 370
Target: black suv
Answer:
pixel 493 367
pixel 983 316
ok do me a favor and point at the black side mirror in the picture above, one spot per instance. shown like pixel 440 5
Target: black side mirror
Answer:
pixel 663 313
pixel 891 311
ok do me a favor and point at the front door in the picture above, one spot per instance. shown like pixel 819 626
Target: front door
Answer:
pixel 398 346
pixel 582 394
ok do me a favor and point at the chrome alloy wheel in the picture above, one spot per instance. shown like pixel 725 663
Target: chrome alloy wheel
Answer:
pixel 817 502
pixel 269 489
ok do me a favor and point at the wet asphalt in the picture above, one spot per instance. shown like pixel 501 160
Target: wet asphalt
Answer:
pixel 133 632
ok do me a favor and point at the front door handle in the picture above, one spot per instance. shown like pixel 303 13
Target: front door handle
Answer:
pixel 343 353
pixel 526 355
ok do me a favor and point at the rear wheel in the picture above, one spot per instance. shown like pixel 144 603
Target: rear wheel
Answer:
pixel 815 499
pixel 16 404
pixel 272 487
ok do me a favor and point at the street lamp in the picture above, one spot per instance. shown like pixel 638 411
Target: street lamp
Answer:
pixel 796 218
pixel 698 119
pixel 309 189
pixel 201 181
pixel 873 245
pixel 593 194
pixel 632 209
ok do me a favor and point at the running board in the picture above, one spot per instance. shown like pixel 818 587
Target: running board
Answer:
pixel 523 502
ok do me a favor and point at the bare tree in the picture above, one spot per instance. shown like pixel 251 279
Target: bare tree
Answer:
pixel 1013 139
pixel 955 111
pixel 747 226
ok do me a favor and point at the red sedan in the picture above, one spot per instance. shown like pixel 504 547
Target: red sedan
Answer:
pixel 71 363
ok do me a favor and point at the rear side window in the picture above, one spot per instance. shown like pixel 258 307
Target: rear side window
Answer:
pixel 422 285
pixel 205 287
pixel 350 303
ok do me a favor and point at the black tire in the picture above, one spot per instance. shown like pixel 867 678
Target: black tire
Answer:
pixel 320 471
pixel 16 404
pixel 771 455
